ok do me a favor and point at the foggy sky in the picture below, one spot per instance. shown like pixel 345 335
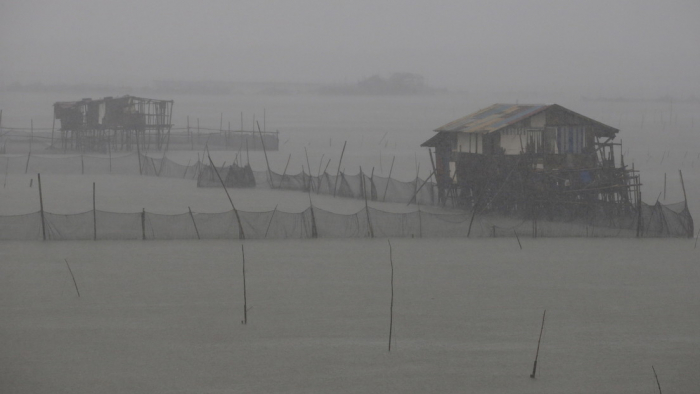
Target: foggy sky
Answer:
pixel 599 47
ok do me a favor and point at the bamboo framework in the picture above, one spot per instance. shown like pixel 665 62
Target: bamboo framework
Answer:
pixel 111 123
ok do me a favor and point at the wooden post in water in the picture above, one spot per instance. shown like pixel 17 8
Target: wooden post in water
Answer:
pixel 262 141
pixel 270 222
pixel 94 213
pixel 241 235
pixel 285 171
pixel 657 379
pixel 245 293
pixel 53 126
pixel 388 180
pixel 72 276
pixel 335 186
pixel 311 181
pixel 391 305
pixel 143 224
pixel 41 205
pixel 364 193
pixel 534 366
pixel 193 222
pixel 690 230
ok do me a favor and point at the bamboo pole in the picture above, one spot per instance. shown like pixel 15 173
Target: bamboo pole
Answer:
pixel 314 229
pixel 269 173
pixel 72 276
pixel 364 193
pixel 41 205
pixel 138 152
pixel 324 173
pixel 690 230
pixel 241 235
pixel 388 180
pixel 285 171
pixel 245 292
pixel 391 305
pixel 311 183
pixel 194 223
pixel 657 379
pixel 26 167
pixel 53 126
pixel 534 367
pixel 270 222
pixel 335 186
pixel 94 213
pixel 421 186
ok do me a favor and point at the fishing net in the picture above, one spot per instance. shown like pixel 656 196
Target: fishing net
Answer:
pixel 656 220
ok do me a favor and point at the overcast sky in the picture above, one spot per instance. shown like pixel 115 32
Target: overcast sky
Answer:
pixel 612 47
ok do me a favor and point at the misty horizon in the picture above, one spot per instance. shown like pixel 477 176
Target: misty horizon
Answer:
pixel 640 49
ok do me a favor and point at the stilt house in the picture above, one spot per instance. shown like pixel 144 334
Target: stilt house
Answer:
pixel 114 123
pixel 534 159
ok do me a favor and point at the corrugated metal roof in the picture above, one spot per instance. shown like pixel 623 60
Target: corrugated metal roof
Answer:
pixel 493 118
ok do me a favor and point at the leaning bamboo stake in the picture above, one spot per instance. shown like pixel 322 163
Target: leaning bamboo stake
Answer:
pixel 534 367
pixel 7 166
pixel 241 235
pixel 269 172
pixel 285 171
pixel 245 293
pixel 311 183
pixel 421 186
pixel 518 238
pixel 270 222
pixel 326 176
pixel 364 192
pixel 72 276
pixel 41 205
pixel 335 186
pixel 196 230
pixel 314 229
pixel 391 305
pixel 388 180
pixel 657 379
pixel 26 167
pixel 685 200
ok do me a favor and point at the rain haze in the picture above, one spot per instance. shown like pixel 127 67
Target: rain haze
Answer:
pixel 360 196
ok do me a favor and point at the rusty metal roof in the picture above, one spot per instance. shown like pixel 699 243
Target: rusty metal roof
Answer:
pixel 493 118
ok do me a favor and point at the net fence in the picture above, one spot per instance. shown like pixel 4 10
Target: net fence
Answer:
pixel 656 220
